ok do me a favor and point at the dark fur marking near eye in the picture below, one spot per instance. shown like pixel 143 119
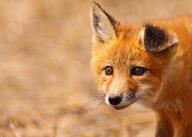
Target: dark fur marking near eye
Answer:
pixel 154 37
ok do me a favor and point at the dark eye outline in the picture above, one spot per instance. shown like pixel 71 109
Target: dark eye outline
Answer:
pixel 111 71
pixel 134 72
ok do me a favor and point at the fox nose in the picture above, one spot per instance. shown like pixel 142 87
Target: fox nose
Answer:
pixel 115 100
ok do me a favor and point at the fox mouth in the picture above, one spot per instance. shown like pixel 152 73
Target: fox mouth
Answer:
pixel 127 101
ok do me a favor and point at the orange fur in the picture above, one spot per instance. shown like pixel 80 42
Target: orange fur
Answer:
pixel 169 72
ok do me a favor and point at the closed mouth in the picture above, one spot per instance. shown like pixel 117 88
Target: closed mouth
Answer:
pixel 130 99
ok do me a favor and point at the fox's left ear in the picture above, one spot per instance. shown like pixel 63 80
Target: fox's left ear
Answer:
pixel 156 39
pixel 102 24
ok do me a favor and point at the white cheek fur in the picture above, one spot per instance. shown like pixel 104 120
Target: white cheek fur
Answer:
pixel 106 99
pixel 143 90
pixel 104 88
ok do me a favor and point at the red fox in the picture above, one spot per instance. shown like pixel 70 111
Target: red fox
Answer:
pixel 148 63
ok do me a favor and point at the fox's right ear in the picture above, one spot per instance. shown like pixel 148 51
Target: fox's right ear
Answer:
pixel 103 25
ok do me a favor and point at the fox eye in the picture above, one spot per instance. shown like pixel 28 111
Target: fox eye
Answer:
pixel 108 70
pixel 138 71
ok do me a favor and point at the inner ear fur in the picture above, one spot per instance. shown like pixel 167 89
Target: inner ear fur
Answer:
pixel 156 39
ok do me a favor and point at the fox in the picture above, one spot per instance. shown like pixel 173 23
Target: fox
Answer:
pixel 149 63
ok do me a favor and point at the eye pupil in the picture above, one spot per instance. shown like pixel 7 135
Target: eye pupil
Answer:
pixel 108 70
pixel 137 71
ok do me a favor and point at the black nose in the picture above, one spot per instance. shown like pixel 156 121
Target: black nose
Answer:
pixel 115 100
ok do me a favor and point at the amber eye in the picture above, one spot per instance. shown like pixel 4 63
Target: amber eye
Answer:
pixel 137 71
pixel 108 70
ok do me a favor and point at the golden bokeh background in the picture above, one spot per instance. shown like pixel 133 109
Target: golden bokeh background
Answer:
pixel 46 85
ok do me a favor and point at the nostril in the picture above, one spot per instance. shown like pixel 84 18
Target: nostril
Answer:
pixel 115 100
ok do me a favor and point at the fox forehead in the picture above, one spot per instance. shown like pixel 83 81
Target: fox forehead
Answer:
pixel 125 51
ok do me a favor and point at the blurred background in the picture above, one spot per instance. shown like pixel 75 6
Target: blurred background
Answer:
pixel 46 85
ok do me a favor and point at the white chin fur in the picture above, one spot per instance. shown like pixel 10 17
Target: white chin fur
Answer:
pixel 142 91
pixel 146 95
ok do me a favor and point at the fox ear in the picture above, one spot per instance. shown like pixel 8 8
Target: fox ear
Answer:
pixel 103 25
pixel 156 39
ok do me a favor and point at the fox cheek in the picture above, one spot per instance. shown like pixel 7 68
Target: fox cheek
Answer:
pixel 104 88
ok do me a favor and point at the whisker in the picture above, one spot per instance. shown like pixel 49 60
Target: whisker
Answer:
pixel 148 96
pixel 95 100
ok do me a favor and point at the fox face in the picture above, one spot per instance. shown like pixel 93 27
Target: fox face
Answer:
pixel 129 61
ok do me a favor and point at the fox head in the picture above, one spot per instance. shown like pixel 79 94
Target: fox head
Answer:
pixel 129 61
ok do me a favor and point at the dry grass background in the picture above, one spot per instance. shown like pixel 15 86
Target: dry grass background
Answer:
pixel 45 78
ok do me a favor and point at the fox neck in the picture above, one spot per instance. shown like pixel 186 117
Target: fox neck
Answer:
pixel 175 82
pixel 175 95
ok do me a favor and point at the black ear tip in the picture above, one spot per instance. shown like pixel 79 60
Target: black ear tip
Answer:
pixel 95 4
pixel 154 37
pixel 148 29
pixel 153 31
